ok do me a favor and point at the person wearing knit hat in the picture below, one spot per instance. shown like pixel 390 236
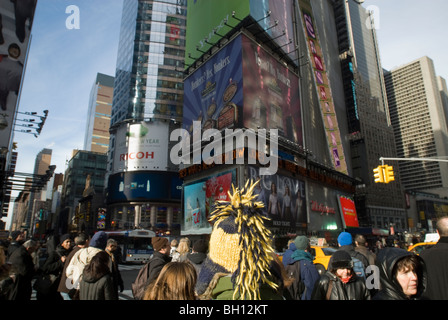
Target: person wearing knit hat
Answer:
pixel 345 242
pixel 340 281
pixel 240 259
pixel 345 239
pixel 302 270
pixel 99 240
pixel 54 265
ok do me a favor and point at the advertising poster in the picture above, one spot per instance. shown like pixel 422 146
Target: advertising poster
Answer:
pixel 243 86
pixel 16 19
pixel 284 199
pixel 213 93
pixel 142 146
pixel 348 212
pixel 271 94
pixel 322 86
pixel 199 199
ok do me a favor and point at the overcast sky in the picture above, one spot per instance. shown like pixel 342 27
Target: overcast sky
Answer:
pixel 63 62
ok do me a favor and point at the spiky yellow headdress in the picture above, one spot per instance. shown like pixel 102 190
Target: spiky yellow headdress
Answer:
pixel 240 244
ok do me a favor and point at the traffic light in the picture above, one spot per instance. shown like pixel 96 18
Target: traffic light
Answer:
pixel 378 174
pixel 389 174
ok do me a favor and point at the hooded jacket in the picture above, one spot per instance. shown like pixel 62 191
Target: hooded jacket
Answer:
pixel 98 287
pixel 390 288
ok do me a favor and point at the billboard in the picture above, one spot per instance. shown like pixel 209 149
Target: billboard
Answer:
pixel 348 212
pixel 142 146
pixel 16 19
pixel 210 20
pixel 144 186
pixel 199 198
pixel 243 86
pixel 322 86
pixel 284 198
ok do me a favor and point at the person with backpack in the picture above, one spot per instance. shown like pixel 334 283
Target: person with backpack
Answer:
pixel 301 269
pixel 152 269
pixel 340 282
pixel 360 262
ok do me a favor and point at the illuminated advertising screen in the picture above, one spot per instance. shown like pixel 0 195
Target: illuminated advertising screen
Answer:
pixel 144 186
pixel 348 212
pixel 210 20
pixel 322 86
pixel 199 199
pixel 284 199
pixel 15 28
pixel 243 86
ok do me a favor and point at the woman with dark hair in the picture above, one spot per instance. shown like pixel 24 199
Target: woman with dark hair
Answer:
pixel 96 283
pixel 176 281
pixel 340 282
pixel 402 275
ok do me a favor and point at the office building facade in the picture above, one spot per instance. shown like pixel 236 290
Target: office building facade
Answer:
pixel 419 121
pixel 370 132
pixel 98 114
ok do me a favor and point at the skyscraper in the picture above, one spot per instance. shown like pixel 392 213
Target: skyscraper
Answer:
pixel 419 121
pixel 43 161
pixel 370 132
pixel 143 184
pixel 98 115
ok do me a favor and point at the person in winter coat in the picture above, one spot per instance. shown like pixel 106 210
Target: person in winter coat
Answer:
pixel 111 248
pixel 160 257
pixel 436 260
pixel 345 242
pixel 83 257
pixel 81 241
pixel 198 254
pixel 340 281
pixel 96 282
pixel 286 257
pixel 22 262
pixel 402 275
pixel 17 239
pixel 302 270
pixel 54 265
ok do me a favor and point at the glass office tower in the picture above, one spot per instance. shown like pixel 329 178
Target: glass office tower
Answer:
pixel 147 106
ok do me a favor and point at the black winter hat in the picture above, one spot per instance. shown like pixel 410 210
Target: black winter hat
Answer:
pixel 341 259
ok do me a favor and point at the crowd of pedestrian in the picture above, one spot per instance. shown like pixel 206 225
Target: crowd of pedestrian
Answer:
pixel 237 262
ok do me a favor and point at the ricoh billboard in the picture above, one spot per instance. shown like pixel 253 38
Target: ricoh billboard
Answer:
pixel 243 86
pixel 141 147
pixel 210 20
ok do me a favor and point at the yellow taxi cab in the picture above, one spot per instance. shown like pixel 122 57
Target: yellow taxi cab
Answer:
pixel 322 255
pixel 419 247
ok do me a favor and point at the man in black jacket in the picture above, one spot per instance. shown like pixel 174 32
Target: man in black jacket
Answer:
pixel 23 263
pixel 436 259
pixel 151 270
pixel 160 257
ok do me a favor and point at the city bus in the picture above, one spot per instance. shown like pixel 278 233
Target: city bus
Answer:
pixel 135 245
